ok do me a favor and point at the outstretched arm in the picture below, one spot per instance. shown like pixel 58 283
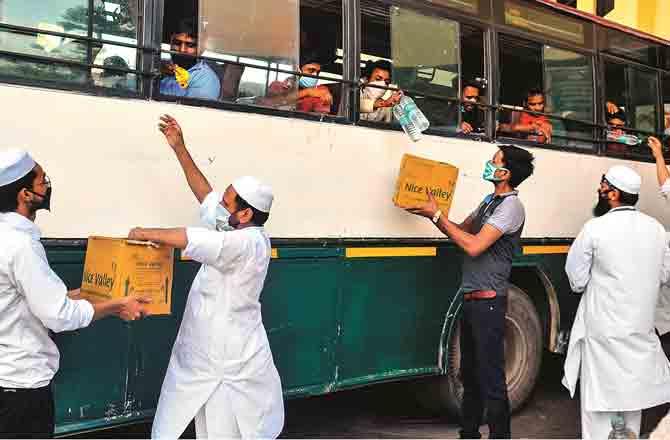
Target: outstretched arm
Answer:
pixel 175 138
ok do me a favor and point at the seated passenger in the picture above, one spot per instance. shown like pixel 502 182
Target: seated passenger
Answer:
pixel 377 104
pixel 202 81
pixel 309 96
pixel 471 115
pixel 616 121
pixel 536 128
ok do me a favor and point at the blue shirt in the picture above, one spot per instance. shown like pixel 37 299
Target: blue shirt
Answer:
pixel 203 83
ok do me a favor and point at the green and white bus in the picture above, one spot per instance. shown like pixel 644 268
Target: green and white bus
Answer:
pixel 359 292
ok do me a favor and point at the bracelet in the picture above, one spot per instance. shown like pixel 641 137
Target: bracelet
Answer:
pixel 437 216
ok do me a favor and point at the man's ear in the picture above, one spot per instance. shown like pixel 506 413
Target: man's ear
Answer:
pixel 246 215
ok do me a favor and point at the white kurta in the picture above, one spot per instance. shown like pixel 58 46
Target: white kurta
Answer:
pixel 221 370
pixel 619 261
pixel 33 300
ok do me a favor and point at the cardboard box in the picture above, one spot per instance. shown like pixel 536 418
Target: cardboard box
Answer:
pixel 417 174
pixel 117 267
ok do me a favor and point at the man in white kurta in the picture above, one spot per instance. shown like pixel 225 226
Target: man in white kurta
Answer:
pixel 221 371
pixel 618 261
pixel 33 300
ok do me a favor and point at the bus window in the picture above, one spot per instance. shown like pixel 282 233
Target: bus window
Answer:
pixel 568 81
pixel 631 95
pixel 111 20
pixel 628 46
pixel 666 109
pixel 423 54
pixel 551 101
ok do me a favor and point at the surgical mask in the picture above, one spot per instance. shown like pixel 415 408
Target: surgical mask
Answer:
pixel 307 83
pixel 374 92
pixel 490 172
pixel 217 218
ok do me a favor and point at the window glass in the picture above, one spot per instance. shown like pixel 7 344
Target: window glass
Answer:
pixel 546 22
pixel 555 82
pixel 112 20
pixel 666 107
pixel 629 46
pixel 631 102
pixel 568 82
pixel 416 53
pixel 68 16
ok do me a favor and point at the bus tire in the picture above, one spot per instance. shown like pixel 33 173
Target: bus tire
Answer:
pixel 523 358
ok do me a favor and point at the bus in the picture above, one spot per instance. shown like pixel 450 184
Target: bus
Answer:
pixel 359 292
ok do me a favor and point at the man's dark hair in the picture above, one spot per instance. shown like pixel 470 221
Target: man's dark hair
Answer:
pixel 259 217
pixel 379 64
pixel 534 91
pixel 310 57
pixel 519 162
pixel 187 26
pixel 9 193
pixel 471 83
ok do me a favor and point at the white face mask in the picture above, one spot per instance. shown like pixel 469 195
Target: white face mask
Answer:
pixel 216 218
pixel 374 92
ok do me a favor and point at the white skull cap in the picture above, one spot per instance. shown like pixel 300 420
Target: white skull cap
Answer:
pixel 624 179
pixel 254 192
pixel 14 164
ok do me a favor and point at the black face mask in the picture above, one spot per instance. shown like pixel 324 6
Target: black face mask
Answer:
pixel 45 203
pixel 603 205
pixel 184 61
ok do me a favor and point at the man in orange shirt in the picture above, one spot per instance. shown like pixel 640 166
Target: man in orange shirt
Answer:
pixel 536 128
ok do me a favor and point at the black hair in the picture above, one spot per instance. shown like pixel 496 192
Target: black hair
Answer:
pixel 628 198
pixel 309 57
pixel 259 217
pixel 471 83
pixel 379 64
pixel 534 91
pixel 9 193
pixel 519 162
pixel 187 26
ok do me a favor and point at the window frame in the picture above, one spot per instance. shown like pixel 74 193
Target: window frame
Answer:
pixel 148 49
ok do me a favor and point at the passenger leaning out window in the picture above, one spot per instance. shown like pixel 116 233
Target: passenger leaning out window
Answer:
pixel 530 126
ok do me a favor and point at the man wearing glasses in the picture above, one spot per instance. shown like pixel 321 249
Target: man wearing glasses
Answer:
pixel 33 300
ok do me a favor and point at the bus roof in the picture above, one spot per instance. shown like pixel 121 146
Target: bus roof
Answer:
pixel 604 22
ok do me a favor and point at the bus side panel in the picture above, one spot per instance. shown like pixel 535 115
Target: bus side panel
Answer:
pixel 392 318
pixel 91 383
pixel 299 302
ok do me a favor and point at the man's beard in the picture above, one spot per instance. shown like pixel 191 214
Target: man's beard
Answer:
pixel 602 207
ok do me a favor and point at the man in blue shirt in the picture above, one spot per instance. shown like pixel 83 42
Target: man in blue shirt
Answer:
pixel 203 82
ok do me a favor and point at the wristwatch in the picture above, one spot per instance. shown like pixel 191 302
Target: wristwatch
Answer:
pixel 437 216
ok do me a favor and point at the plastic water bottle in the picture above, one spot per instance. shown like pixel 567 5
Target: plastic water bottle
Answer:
pixel 411 119
pixel 628 139
pixel 619 429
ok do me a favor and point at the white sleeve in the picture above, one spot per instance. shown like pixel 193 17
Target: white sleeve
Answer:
pixel 579 261
pixel 665 267
pixel 665 189
pixel 214 248
pixel 46 294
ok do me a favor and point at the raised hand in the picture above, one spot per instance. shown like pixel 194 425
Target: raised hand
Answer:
pixel 172 131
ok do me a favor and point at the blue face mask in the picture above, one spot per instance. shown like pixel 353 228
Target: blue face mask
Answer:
pixel 307 82
pixel 490 172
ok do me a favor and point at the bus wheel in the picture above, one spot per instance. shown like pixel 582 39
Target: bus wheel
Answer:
pixel 523 357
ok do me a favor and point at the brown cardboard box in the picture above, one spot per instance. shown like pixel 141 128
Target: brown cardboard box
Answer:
pixel 417 174
pixel 117 267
